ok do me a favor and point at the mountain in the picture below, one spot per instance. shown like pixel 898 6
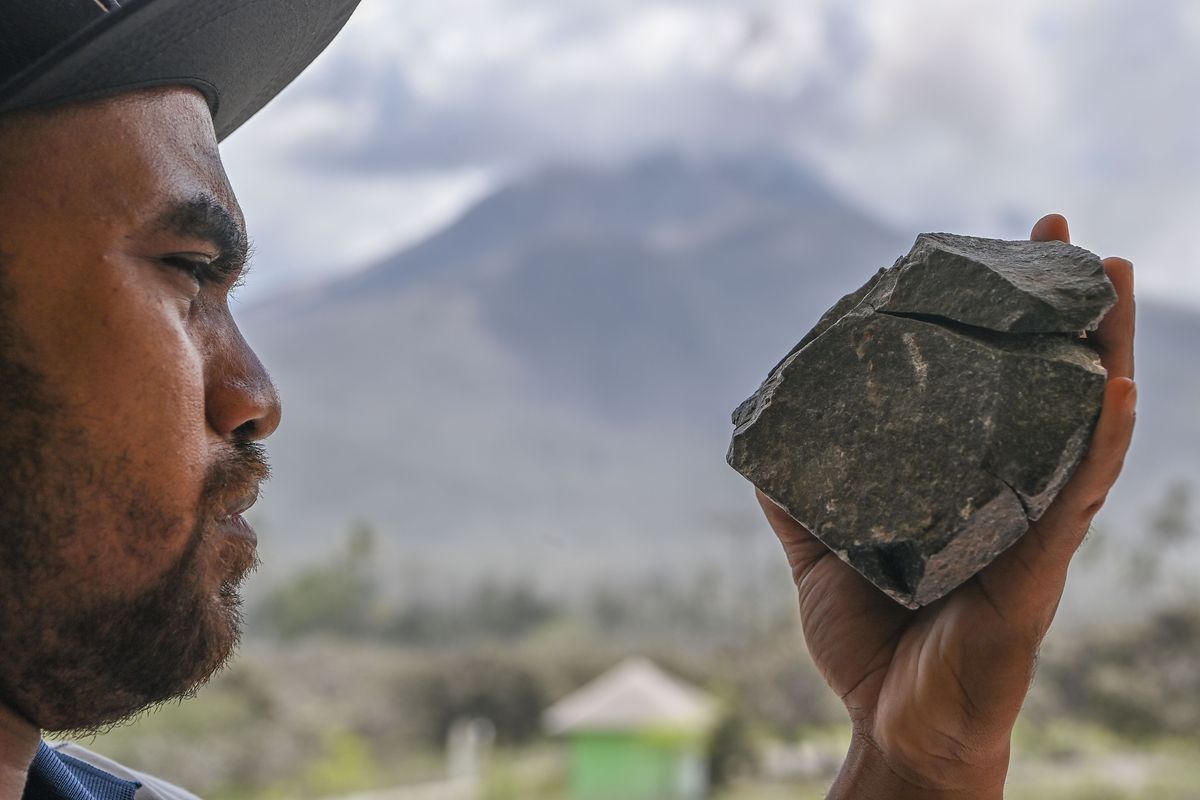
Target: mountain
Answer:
pixel 545 385
pixel 636 292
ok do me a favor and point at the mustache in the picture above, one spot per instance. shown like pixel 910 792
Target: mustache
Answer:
pixel 235 475
pixel 229 482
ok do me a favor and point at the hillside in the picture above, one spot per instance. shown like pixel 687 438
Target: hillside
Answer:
pixel 544 386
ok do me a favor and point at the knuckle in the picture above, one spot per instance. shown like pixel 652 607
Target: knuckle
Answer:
pixel 1092 507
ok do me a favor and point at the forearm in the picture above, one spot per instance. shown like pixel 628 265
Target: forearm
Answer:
pixel 866 775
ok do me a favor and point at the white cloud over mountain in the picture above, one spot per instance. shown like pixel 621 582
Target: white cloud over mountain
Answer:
pixel 951 114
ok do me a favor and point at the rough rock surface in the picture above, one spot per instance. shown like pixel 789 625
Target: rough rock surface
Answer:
pixel 931 415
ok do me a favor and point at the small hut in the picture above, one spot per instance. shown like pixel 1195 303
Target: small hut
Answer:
pixel 635 733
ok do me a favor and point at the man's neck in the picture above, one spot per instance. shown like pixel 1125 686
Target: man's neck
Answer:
pixel 18 745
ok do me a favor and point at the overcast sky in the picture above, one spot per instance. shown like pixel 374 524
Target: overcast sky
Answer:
pixel 959 115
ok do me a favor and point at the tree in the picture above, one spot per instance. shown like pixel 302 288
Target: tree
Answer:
pixel 1170 528
pixel 1172 525
pixel 338 597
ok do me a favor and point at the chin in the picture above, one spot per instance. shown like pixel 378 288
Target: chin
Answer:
pixel 85 670
pixel 124 695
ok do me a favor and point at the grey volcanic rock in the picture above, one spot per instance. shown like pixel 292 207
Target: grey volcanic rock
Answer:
pixel 931 415
pixel 1011 287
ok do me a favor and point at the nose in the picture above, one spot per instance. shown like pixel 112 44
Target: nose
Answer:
pixel 241 401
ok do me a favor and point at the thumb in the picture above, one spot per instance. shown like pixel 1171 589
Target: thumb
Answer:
pixel 802 548
pixel 1051 228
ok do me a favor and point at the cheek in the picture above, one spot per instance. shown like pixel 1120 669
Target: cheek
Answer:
pixel 119 357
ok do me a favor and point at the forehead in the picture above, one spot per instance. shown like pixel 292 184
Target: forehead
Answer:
pixel 122 156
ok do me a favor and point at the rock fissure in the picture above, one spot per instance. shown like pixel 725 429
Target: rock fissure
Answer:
pixel 1029 513
pixel 959 327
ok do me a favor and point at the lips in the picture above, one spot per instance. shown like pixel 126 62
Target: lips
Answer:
pixel 233 524
pixel 237 527
pixel 240 505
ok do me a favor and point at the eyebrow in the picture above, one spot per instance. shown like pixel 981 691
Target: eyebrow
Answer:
pixel 204 217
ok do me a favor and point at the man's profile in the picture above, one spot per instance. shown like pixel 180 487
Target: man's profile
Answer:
pixel 133 415
pixel 132 407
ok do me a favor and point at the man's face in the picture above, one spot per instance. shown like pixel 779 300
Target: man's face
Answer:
pixel 129 408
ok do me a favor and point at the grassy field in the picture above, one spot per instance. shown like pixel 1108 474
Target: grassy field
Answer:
pixel 1111 717
pixel 1166 770
pixel 1066 762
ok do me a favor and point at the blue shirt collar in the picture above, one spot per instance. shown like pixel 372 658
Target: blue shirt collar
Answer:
pixel 55 776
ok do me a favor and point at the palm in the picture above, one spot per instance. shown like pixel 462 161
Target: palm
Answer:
pixel 904 674
pixel 893 667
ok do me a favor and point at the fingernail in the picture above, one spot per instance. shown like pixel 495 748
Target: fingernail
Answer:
pixel 1131 399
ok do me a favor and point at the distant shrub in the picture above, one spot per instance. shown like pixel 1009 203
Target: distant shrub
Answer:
pixel 335 597
pixel 1140 681
pixel 731 751
pixel 492 686
pixel 346 763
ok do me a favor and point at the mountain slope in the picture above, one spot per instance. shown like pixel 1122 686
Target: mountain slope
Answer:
pixel 627 289
pixel 545 385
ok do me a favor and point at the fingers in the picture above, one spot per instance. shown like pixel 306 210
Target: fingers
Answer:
pixel 1028 578
pixel 1025 583
pixel 1088 487
pixel 1051 228
pixel 1113 338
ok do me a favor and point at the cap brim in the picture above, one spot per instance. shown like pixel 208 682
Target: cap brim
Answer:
pixel 240 53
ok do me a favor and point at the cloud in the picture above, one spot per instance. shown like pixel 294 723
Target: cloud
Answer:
pixel 447 83
pixel 953 114
pixel 309 227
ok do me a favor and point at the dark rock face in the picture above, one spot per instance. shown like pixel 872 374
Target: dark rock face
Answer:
pixel 931 415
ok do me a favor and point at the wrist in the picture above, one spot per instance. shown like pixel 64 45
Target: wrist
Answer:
pixel 867 774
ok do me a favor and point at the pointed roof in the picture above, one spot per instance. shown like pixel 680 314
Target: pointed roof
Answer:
pixel 634 695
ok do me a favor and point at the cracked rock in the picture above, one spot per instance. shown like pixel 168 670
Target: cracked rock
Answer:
pixel 930 416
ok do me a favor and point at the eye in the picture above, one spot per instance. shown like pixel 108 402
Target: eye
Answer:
pixel 195 266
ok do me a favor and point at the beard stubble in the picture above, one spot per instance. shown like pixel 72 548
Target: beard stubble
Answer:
pixel 75 659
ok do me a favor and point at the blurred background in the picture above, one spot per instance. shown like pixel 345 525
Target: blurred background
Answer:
pixel 517 260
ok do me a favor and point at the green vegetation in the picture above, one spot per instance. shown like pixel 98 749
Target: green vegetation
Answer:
pixel 344 688
pixel 326 716
pixel 338 597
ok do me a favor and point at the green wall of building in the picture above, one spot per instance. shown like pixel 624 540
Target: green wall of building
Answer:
pixel 628 766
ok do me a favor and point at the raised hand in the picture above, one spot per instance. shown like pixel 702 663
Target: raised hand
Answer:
pixel 933 694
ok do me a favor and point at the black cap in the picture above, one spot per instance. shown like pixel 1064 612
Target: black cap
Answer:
pixel 239 53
